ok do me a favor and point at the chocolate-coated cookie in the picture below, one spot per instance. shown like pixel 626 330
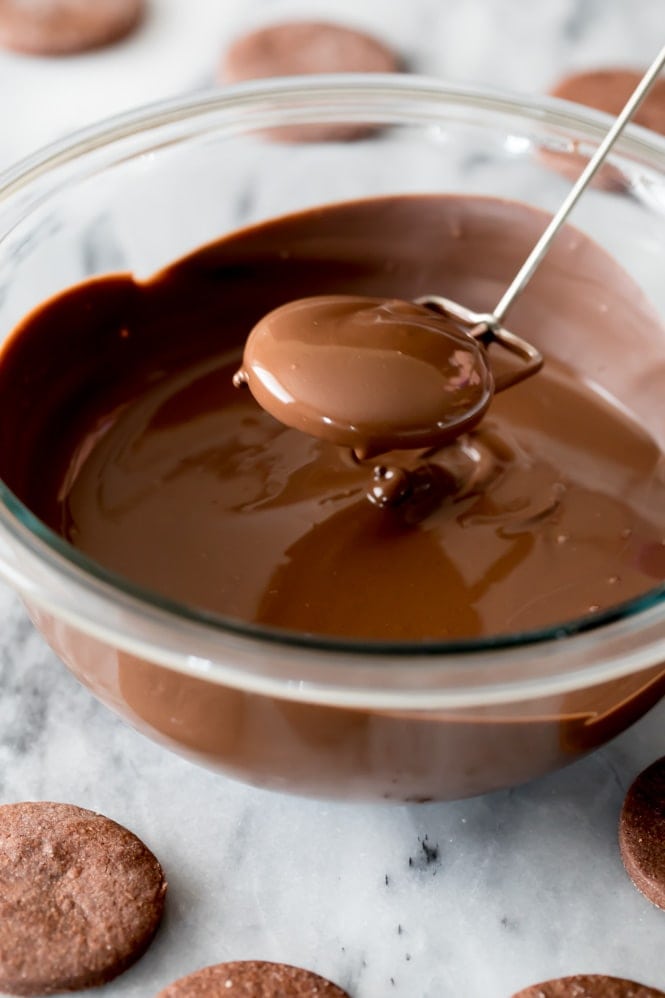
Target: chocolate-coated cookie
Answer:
pixel 80 898
pixel 642 833
pixel 589 986
pixel 65 27
pixel 303 47
pixel 252 979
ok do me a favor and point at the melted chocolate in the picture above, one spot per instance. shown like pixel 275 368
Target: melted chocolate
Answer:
pixel 120 428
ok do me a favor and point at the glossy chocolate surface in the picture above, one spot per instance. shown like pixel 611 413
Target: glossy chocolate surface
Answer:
pixel 121 429
pixel 372 374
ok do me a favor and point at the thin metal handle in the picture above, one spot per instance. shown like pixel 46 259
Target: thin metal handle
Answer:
pixel 483 328
pixel 532 359
pixel 534 258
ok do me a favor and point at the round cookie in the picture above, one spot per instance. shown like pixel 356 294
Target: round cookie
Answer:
pixel 80 898
pixel 252 979
pixel 642 833
pixel 609 89
pixel 589 986
pixel 65 27
pixel 299 48
pixel 606 90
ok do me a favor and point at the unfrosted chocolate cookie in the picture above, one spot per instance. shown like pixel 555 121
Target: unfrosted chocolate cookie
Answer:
pixel 642 833
pixel 299 48
pixel 589 986
pixel 252 979
pixel 606 90
pixel 80 898
pixel 609 89
pixel 65 27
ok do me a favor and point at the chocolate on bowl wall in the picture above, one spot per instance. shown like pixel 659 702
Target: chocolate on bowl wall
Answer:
pixel 329 751
pixel 145 457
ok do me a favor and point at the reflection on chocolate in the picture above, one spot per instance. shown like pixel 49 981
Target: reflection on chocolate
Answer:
pixel 373 374
pixel 141 453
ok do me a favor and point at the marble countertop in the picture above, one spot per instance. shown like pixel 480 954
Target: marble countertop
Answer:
pixel 473 899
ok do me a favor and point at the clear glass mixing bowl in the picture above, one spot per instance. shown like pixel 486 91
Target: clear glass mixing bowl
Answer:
pixel 310 715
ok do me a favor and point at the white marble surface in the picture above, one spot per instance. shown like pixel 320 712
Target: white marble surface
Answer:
pixel 466 900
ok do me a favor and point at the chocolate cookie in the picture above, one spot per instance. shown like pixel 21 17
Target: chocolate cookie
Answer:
pixel 80 898
pixel 302 47
pixel 589 986
pixel 606 90
pixel 299 48
pixel 65 27
pixel 253 979
pixel 642 833
pixel 609 89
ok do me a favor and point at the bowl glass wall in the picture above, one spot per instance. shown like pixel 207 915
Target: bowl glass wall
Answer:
pixel 312 715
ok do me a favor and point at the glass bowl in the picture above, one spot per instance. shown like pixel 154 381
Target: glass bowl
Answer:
pixel 292 712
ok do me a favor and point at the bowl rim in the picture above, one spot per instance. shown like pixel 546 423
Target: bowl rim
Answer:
pixel 43 548
pixel 556 111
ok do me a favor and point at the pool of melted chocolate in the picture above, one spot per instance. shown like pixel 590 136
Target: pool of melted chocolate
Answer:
pixel 121 429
